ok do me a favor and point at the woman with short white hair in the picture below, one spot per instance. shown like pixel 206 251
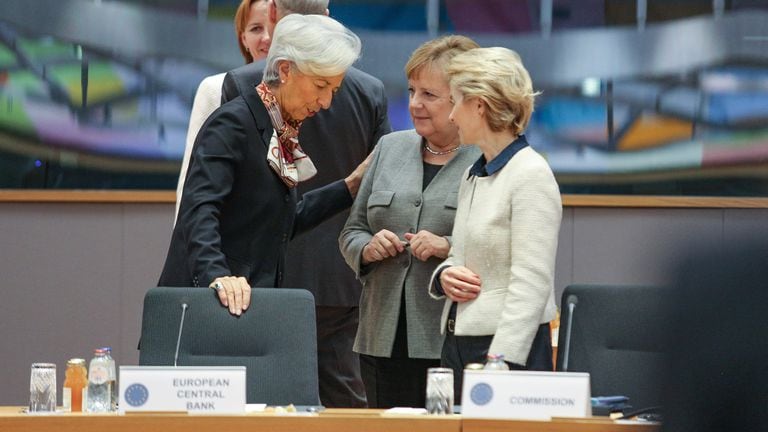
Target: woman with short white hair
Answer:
pixel 239 207
pixel 498 280
pixel 328 52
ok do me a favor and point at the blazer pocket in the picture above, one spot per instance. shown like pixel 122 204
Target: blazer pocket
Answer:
pixel 481 316
pixel 380 198
pixel 452 200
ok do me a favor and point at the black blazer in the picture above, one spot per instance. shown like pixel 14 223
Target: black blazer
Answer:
pixel 236 215
pixel 337 140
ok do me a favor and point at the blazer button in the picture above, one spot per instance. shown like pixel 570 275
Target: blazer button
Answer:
pixel 287 198
pixel 417 203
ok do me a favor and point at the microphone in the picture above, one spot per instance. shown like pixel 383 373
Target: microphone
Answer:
pixel 184 307
pixel 571 302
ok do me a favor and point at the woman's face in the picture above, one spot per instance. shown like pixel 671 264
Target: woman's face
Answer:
pixel 258 30
pixel 429 104
pixel 301 95
pixel 467 117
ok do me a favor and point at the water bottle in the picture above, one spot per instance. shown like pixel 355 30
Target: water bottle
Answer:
pixel 495 362
pixel 112 379
pixel 99 391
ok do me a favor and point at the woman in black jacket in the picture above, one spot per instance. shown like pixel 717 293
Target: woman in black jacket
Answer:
pixel 239 207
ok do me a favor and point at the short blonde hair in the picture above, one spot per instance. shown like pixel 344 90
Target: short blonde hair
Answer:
pixel 497 77
pixel 437 53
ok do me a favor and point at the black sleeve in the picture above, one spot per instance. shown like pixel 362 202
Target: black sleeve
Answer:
pixel 216 154
pixel 438 285
pixel 321 204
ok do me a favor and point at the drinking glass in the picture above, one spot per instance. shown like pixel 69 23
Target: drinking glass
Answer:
pixel 440 391
pixel 42 388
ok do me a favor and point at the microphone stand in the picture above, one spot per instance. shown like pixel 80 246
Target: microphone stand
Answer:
pixel 184 307
pixel 572 300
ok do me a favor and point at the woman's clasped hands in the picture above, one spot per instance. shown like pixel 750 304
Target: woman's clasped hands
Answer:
pixel 423 245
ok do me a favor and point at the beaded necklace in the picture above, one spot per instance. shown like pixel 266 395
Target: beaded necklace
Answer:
pixel 439 153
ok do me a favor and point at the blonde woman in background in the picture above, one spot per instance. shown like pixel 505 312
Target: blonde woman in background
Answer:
pixel 498 281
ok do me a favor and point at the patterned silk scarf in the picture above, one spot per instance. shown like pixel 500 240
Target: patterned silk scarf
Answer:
pixel 285 155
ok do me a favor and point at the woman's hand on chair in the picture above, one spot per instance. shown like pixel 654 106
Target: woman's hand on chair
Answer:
pixel 234 293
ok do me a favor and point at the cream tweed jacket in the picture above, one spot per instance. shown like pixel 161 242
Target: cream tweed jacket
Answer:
pixel 506 230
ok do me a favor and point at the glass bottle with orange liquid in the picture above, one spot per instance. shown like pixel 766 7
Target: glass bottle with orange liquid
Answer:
pixel 75 383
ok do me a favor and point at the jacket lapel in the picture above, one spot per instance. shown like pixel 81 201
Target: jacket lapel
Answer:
pixel 409 164
pixel 260 115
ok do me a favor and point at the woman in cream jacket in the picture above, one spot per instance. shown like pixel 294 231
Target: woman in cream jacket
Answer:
pixel 498 278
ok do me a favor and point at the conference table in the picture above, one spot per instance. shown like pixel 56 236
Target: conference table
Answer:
pixel 12 419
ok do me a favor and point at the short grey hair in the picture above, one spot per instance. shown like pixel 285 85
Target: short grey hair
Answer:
pixel 304 7
pixel 315 44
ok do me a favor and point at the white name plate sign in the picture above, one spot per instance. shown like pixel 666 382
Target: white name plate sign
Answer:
pixel 193 389
pixel 525 394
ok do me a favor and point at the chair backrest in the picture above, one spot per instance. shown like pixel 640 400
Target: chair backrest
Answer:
pixel 617 336
pixel 275 339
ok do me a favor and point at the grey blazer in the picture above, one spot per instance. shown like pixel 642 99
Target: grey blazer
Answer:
pixel 390 197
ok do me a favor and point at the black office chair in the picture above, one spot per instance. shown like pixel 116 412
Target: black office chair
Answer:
pixel 616 334
pixel 275 339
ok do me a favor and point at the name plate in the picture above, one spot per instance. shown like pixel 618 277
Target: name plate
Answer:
pixel 193 389
pixel 525 394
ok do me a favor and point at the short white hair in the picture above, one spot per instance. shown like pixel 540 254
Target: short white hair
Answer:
pixel 316 44
pixel 304 7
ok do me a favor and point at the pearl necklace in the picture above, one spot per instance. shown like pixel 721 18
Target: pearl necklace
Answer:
pixel 439 153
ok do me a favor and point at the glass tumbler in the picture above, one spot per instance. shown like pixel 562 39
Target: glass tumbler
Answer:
pixel 42 388
pixel 439 391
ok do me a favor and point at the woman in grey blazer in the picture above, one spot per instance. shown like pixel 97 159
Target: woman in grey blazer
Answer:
pixel 398 231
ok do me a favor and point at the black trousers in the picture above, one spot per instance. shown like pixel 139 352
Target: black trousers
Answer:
pixel 458 351
pixel 391 382
pixel 338 366
pixel 396 381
